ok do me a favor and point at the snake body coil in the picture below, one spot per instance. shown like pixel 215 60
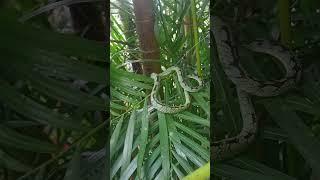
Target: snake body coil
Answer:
pixel 246 85
pixel 186 89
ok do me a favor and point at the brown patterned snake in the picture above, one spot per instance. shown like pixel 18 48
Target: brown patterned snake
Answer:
pixel 186 89
pixel 247 85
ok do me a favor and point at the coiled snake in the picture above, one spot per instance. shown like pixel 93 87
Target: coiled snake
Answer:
pixel 186 89
pixel 247 85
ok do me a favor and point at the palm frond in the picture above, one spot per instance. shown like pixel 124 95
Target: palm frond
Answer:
pixel 288 136
pixel 153 145
pixel 51 87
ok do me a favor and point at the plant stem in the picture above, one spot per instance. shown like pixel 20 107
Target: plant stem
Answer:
pixel 284 22
pixel 196 36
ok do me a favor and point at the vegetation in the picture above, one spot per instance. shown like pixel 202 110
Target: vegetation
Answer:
pixel 287 146
pixel 158 145
pixel 53 99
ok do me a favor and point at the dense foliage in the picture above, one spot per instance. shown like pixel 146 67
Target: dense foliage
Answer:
pixel 287 146
pixel 53 95
pixel 158 145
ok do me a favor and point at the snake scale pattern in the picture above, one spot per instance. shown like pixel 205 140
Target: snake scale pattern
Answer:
pixel 156 103
pixel 247 85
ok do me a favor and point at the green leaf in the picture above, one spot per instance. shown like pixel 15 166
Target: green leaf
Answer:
pixel 193 133
pixel 298 133
pixel 192 156
pixel 143 138
pixel 193 118
pixel 65 93
pixel 183 162
pixel 115 137
pixel 260 168
pixel 302 104
pixel 173 134
pixel 73 171
pixel 7 161
pixel 14 139
pixel 116 94
pixel 33 110
pixel 127 149
pixel 203 152
pixel 239 173
pixel 127 173
pixel 29 37
pixel 203 103
pixel 276 134
pixel 164 145
pixel 154 168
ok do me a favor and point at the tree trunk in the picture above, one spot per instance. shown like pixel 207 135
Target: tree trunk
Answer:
pixel 143 10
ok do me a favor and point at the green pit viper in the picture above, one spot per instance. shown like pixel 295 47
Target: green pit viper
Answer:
pixel 246 85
